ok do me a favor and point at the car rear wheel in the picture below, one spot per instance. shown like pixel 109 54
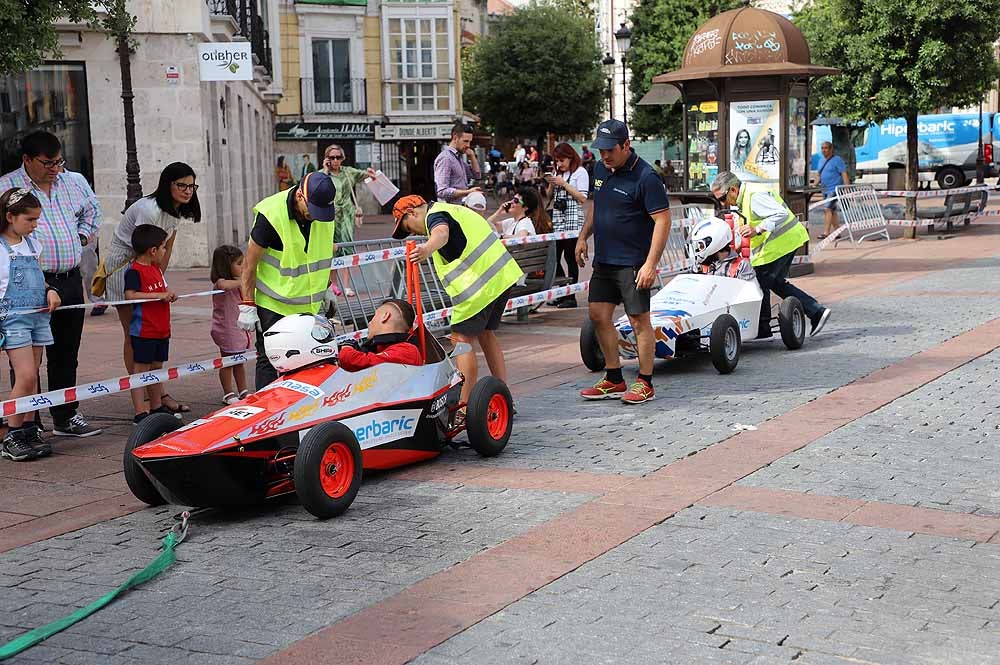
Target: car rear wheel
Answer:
pixel 792 323
pixel 590 348
pixel 724 343
pixel 150 428
pixel 328 470
pixel 489 416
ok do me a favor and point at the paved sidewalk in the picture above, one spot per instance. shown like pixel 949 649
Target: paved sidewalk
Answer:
pixel 855 524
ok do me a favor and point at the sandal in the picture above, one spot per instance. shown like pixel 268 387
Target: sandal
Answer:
pixel 230 398
pixel 177 408
pixel 244 393
pixel 163 408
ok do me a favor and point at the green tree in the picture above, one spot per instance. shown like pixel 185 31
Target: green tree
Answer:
pixel 26 32
pixel 900 58
pixel 539 71
pixel 660 33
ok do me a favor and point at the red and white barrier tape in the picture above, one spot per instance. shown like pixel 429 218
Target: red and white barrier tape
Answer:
pixel 933 193
pixel 121 384
pixel 139 301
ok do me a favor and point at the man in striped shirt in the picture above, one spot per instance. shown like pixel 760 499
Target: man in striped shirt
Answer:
pixel 451 172
pixel 70 217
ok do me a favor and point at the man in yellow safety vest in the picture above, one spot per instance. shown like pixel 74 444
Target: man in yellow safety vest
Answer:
pixel 286 268
pixel 775 234
pixel 476 270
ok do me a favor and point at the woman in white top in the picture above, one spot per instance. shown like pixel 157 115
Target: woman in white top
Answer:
pixel 568 192
pixel 522 216
pixel 176 196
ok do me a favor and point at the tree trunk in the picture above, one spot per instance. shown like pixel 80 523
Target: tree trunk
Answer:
pixel 912 164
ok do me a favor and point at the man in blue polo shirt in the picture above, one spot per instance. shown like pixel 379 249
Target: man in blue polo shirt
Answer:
pixel 832 172
pixel 631 222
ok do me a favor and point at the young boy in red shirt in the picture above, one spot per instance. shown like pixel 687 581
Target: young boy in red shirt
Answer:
pixel 149 329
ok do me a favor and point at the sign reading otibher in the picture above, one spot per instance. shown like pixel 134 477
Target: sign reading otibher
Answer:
pixel 225 61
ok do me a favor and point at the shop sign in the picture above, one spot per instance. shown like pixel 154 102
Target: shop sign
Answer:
pixel 225 61
pixel 306 131
pixel 412 132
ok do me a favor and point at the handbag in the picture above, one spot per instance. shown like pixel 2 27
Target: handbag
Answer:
pixel 99 283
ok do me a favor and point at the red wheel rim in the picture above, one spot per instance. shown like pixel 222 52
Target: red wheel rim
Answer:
pixel 497 417
pixel 336 470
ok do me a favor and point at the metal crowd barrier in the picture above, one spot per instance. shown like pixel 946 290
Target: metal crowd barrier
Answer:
pixel 861 212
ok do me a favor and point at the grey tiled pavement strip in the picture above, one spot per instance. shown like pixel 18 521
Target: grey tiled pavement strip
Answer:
pixel 709 585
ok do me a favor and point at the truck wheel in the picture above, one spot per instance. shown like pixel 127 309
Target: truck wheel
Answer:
pixel 328 470
pixel 724 343
pixel 151 427
pixel 950 176
pixel 792 323
pixel 590 348
pixel 489 416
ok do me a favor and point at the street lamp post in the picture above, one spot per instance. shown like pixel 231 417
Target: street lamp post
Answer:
pixel 609 70
pixel 624 38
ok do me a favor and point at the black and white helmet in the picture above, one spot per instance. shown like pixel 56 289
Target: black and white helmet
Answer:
pixel 710 236
pixel 299 340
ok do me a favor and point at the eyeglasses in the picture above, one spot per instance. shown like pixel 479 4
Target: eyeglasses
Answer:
pixel 51 163
pixel 185 187
pixel 334 158
pixel 517 201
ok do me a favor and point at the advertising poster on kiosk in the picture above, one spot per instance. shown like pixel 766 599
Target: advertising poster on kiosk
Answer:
pixel 755 129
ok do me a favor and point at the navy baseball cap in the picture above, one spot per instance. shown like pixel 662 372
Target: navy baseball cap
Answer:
pixel 319 191
pixel 609 134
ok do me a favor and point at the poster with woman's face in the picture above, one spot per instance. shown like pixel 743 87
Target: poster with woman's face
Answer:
pixel 755 130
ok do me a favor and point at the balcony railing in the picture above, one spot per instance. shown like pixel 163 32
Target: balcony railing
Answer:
pixel 251 26
pixel 326 96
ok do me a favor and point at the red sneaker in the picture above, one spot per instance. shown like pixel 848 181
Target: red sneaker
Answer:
pixel 638 392
pixel 604 389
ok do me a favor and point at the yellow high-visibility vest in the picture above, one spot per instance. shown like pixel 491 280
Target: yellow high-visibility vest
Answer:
pixel 483 271
pixel 293 280
pixel 786 237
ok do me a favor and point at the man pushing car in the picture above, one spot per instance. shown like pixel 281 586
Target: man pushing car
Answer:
pixel 477 273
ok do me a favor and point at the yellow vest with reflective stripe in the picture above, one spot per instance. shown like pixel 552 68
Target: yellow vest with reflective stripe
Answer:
pixel 482 272
pixel 293 280
pixel 786 237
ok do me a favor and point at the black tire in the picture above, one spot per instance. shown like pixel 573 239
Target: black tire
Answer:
pixel 725 343
pixel 151 427
pixel 489 416
pixel 792 323
pixel 950 176
pixel 327 450
pixel 590 348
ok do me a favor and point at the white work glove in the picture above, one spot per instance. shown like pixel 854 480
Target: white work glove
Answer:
pixel 248 318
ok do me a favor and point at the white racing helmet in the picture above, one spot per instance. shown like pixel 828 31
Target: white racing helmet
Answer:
pixel 299 340
pixel 710 236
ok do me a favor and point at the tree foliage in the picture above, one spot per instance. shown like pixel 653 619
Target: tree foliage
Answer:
pixel 538 71
pixel 26 32
pixel 900 58
pixel 28 36
pixel 660 33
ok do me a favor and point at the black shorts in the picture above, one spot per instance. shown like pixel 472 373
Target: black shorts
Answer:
pixel 616 284
pixel 145 350
pixel 486 319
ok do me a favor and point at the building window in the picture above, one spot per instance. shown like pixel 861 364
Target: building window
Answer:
pixel 331 83
pixel 420 67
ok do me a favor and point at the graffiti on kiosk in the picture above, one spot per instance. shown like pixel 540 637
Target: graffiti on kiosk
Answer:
pixel 704 41
pixel 268 426
pixel 756 46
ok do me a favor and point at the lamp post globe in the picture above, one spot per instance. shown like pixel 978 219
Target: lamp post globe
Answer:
pixel 624 38
pixel 609 70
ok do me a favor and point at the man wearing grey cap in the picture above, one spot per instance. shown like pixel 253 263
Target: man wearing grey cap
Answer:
pixel 630 223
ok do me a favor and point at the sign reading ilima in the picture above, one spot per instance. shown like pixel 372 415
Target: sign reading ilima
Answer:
pixel 225 61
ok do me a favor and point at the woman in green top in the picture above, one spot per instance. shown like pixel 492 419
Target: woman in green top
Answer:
pixel 345 179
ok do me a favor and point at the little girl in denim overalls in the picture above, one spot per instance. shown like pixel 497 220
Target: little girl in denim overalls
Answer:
pixel 24 332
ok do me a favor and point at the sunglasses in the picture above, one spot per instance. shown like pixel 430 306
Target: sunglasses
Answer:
pixel 335 158
pixel 517 201
pixel 185 187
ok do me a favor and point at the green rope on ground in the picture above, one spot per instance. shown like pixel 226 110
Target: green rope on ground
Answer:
pixel 163 561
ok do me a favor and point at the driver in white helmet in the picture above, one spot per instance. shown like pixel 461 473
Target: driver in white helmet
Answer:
pixel 713 251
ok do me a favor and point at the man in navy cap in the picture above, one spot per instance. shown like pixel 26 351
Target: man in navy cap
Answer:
pixel 630 224
pixel 286 269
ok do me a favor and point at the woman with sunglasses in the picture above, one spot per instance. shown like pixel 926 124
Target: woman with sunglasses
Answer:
pixel 522 216
pixel 176 197
pixel 345 179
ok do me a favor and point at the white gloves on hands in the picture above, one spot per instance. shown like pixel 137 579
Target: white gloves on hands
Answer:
pixel 248 318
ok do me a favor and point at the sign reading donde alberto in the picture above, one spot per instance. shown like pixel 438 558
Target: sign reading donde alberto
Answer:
pixel 225 61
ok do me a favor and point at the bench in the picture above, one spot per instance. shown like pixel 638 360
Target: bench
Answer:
pixel 962 207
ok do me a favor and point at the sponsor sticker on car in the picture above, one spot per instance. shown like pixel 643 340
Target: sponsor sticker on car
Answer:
pixel 239 412
pixel 299 387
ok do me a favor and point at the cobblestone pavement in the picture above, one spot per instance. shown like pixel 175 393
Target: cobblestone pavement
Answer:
pixel 658 580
